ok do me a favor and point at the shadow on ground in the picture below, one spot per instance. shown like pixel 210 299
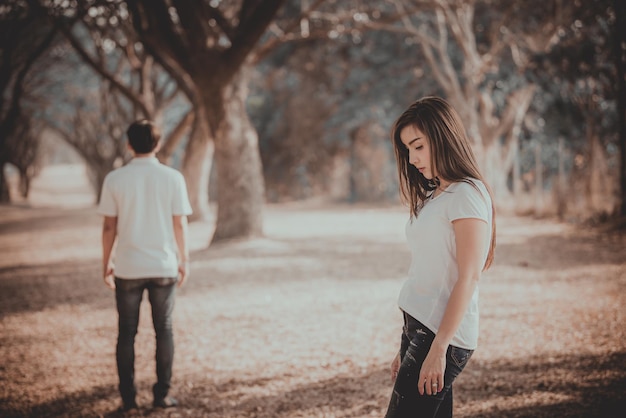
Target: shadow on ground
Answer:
pixel 25 288
pixel 588 386
pixel 547 252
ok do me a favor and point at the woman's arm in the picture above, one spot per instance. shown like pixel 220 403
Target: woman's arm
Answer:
pixel 470 235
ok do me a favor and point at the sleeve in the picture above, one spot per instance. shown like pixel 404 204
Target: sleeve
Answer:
pixel 107 205
pixel 469 201
pixel 180 203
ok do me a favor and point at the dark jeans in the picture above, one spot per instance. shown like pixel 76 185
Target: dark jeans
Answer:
pixel 405 400
pixel 128 295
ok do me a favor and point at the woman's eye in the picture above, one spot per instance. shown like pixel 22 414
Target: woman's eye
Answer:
pixel 419 148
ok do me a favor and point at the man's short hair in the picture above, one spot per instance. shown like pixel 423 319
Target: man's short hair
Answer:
pixel 143 136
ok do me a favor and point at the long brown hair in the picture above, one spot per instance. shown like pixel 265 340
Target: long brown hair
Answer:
pixel 452 158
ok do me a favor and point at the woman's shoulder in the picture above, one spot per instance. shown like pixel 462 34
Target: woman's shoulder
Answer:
pixel 472 187
pixel 469 183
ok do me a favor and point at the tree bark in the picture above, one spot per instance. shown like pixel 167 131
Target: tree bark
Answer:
pixel 538 180
pixel 5 195
pixel 197 168
pixel 240 184
pixel 620 61
pixel 97 175
pixel 24 183
pixel 517 174
pixel 593 180
pixel 560 186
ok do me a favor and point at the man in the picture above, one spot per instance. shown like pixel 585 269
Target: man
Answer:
pixel 145 206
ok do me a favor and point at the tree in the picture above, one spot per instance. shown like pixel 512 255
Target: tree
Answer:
pixel 209 45
pixel 348 88
pixel 470 59
pixel 23 39
pixel 577 74
pixel 213 44
pixel 96 130
pixel 21 149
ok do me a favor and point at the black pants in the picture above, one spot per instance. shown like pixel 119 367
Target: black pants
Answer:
pixel 405 400
pixel 128 295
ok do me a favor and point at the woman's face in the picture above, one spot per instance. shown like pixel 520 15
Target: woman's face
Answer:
pixel 418 146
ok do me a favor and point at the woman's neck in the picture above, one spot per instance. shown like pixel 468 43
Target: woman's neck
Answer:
pixel 441 186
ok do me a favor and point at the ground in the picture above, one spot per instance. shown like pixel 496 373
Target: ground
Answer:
pixel 304 323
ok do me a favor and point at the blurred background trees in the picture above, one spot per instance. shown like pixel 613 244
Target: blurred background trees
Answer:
pixel 24 37
pixel 294 99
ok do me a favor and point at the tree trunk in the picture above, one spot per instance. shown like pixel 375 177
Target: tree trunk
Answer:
pixel 560 186
pixel 170 143
pixel 97 173
pixel 594 187
pixel 5 195
pixel 240 183
pixel 495 170
pixel 24 185
pixel 197 168
pixel 369 165
pixel 538 180
pixel 517 175
pixel 620 61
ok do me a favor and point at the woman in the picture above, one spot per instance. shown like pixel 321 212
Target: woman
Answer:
pixel 451 235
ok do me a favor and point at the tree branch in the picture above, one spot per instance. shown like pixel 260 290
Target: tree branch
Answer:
pixel 518 103
pixel 98 67
pixel 152 20
pixel 7 124
pixel 249 31
pixel 171 142
pixel 214 13
pixel 196 29
pixel 273 43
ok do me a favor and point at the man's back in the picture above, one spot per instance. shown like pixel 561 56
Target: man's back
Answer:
pixel 144 195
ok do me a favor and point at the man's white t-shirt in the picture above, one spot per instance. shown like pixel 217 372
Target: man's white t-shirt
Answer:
pixel 144 195
pixel 434 271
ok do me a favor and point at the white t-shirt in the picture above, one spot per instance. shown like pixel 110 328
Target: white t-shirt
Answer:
pixel 144 195
pixel 434 270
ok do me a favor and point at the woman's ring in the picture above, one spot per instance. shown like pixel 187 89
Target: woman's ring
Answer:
pixel 434 384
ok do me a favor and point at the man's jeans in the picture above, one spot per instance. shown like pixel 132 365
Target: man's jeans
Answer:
pixel 128 295
pixel 406 400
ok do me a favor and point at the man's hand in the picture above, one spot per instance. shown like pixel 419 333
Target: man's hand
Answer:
pixel 109 232
pixel 183 272
pixel 109 279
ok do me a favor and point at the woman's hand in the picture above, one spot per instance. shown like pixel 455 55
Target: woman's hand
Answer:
pixel 431 375
pixel 395 366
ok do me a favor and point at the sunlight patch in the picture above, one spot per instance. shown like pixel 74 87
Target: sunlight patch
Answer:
pixel 240 264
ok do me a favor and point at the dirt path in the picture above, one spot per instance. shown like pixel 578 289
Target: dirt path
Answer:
pixel 303 323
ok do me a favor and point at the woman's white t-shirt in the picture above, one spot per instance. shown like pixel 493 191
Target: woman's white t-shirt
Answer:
pixel 434 271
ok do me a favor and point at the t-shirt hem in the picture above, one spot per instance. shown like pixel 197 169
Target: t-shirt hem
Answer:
pixel 145 276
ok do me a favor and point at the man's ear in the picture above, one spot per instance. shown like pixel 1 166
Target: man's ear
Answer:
pixel 130 149
pixel 158 146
